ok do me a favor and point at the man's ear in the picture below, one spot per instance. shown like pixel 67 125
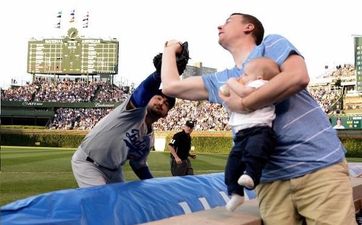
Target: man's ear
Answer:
pixel 249 27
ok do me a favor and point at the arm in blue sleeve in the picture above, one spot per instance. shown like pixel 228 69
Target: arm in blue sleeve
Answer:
pixel 146 90
pixel 141 172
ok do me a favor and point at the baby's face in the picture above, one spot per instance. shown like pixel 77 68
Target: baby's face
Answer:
pixel 247 77
pixel 251 71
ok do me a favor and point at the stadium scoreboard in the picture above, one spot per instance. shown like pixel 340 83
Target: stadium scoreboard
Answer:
pixel 349 122
pixel 73 55
pixel 358 61
pixel 354 122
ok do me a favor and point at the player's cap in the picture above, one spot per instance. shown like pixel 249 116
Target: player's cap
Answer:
pixel 171 100
pixel 190 123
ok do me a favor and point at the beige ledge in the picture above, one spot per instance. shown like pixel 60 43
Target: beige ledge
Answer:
pixel 247 214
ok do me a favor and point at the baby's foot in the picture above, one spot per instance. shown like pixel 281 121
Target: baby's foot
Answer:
pixel 234 202
pixel 246 181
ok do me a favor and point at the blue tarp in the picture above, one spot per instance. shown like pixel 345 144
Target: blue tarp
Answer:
pixel 122 203
pixel 355 169
pixel 125 203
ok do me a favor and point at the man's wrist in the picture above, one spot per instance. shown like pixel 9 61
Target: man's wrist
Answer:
pixel 245 107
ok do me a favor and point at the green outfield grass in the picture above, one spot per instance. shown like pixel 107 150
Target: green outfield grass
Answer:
pixel 28 171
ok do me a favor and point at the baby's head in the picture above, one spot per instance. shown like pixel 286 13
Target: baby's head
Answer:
pixel 260 68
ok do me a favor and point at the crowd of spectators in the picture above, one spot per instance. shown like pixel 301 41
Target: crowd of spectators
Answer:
pixel 353 106
pixel 206 115
pixel 327 98
pixel 110 93
pixel 345 71
pixel 64 90
pixel 331 92
pixel 21 93
pixel 77 118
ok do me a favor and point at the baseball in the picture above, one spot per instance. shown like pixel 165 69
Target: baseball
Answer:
pixel 224 90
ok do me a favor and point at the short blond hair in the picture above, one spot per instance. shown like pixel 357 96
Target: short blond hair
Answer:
pixel 264 67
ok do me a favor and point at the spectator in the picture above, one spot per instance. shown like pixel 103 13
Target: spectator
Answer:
pixel 307 167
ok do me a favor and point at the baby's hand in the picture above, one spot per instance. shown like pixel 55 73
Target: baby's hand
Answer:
pixel 224 90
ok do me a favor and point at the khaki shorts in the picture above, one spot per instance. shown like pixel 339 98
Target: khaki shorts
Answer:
pixel 322 197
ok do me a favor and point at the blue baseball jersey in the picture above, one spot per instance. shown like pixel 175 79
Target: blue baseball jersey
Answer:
pixel 306 140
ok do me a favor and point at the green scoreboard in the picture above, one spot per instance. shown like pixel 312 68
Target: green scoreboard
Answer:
pixel 348 122
pixel 358 61
pixel 354 122
pixel 73 55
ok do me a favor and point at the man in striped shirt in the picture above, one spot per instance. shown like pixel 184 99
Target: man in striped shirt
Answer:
pixel 306 180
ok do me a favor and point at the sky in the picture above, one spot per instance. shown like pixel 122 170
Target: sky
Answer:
pixel 321 30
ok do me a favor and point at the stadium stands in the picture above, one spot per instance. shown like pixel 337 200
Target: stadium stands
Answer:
pixel 333 95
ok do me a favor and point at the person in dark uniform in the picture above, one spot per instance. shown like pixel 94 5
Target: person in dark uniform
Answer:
pixel 180 146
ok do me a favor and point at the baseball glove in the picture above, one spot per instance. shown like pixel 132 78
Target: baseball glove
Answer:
pixel 181 59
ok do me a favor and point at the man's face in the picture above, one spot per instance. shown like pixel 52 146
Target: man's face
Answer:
pixel 188 129
pixel 339 122
pixel 158 106
pixel 230 30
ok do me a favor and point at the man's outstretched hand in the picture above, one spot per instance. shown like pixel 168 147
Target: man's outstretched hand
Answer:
pixel 181 59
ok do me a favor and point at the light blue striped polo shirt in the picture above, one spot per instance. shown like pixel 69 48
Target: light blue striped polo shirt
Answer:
pixel 306 139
